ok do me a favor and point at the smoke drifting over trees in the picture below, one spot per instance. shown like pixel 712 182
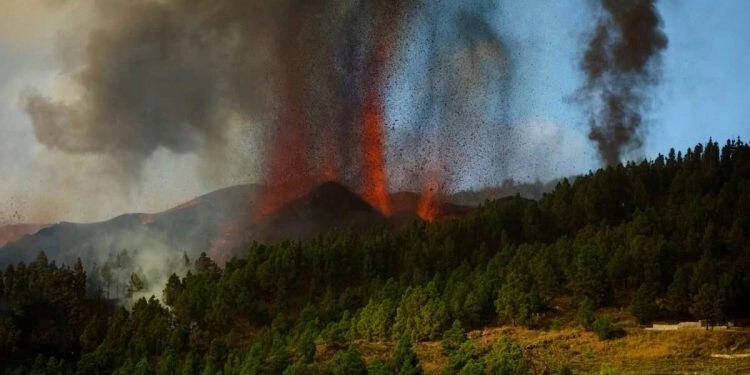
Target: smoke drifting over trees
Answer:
pixel 621 62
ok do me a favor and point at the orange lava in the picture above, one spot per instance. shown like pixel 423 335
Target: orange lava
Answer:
pixel 375 179
pixel 295 164
pixel 428 208
pixel 375 187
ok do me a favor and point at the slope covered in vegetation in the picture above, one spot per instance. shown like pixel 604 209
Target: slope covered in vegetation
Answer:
pixel 664 239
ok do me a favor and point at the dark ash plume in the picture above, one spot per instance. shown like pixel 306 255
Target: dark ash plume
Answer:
pixel 173 74
pixel 163 74
pixel 621 62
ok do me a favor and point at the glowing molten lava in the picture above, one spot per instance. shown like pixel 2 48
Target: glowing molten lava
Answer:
pixel 375 180
pixel 429 207
pixel 306 152
pixel 375 184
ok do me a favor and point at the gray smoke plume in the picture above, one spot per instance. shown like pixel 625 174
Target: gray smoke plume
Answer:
pixel 172 74
pixel 163 74
pixel 621 61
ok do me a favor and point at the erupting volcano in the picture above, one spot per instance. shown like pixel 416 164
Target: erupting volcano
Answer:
pixel 316 82
pixel 333 118
pixel 375 181
pixel 342 139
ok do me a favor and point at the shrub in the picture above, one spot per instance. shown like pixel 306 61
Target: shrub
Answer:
pixel 643 306
pixel 604 327
pixel 506 358
pixel 585 313
pixel 555 325
pixel 462 357
pixel 348 363
pixel 472 367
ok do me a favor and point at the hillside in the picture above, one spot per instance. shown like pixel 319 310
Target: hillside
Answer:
pixel 565 282
pixel 221 223
pixel 10 233
pixel 330 206
pixel 188 228
pixel 581 352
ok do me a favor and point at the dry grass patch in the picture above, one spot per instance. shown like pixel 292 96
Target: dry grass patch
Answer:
pixel 639 352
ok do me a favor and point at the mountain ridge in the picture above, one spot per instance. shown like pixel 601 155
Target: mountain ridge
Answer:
pixel 221 223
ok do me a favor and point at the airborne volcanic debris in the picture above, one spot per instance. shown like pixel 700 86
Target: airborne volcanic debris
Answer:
pixel 313 74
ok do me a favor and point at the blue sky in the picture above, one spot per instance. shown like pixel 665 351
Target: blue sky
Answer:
pixel 706 87
pixel 704 91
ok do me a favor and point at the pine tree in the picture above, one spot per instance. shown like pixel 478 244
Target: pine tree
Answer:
pixel 643 306
pixel 135 285
pixel 79 279
pixel 708 305
pixel 506 358
pixel 348 363
pixel 678 293
pixel 585 313
pixel 453 338
pixel 404 361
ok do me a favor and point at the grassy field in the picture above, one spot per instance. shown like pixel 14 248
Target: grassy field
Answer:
pixel 638 352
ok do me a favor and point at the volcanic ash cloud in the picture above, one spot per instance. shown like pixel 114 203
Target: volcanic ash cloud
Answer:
pixel 621 62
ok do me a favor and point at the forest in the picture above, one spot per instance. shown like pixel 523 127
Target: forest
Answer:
pixel 667 239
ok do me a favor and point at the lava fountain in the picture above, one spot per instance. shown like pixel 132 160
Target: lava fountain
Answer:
pixel 428 207
pixel 375 184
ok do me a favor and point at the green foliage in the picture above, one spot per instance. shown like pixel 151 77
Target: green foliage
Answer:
pixel 678 293
pixel 472 367
pixel 708 304
pixel 644 306
pixel 168 364
pixel 555 324
pixel 404 360
pixel 421 312
pixel 453 338
pixel 143 367
pixel 347 363
pixel 254 361
pixel 306 346
pixel 375 319
pixel 378 367
pixel 135 285
pixel 604 327
pixel 514 305
pixel 506 358
pixel 336 334
pixel 585 313
pixel 588 280
pixel 465 357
